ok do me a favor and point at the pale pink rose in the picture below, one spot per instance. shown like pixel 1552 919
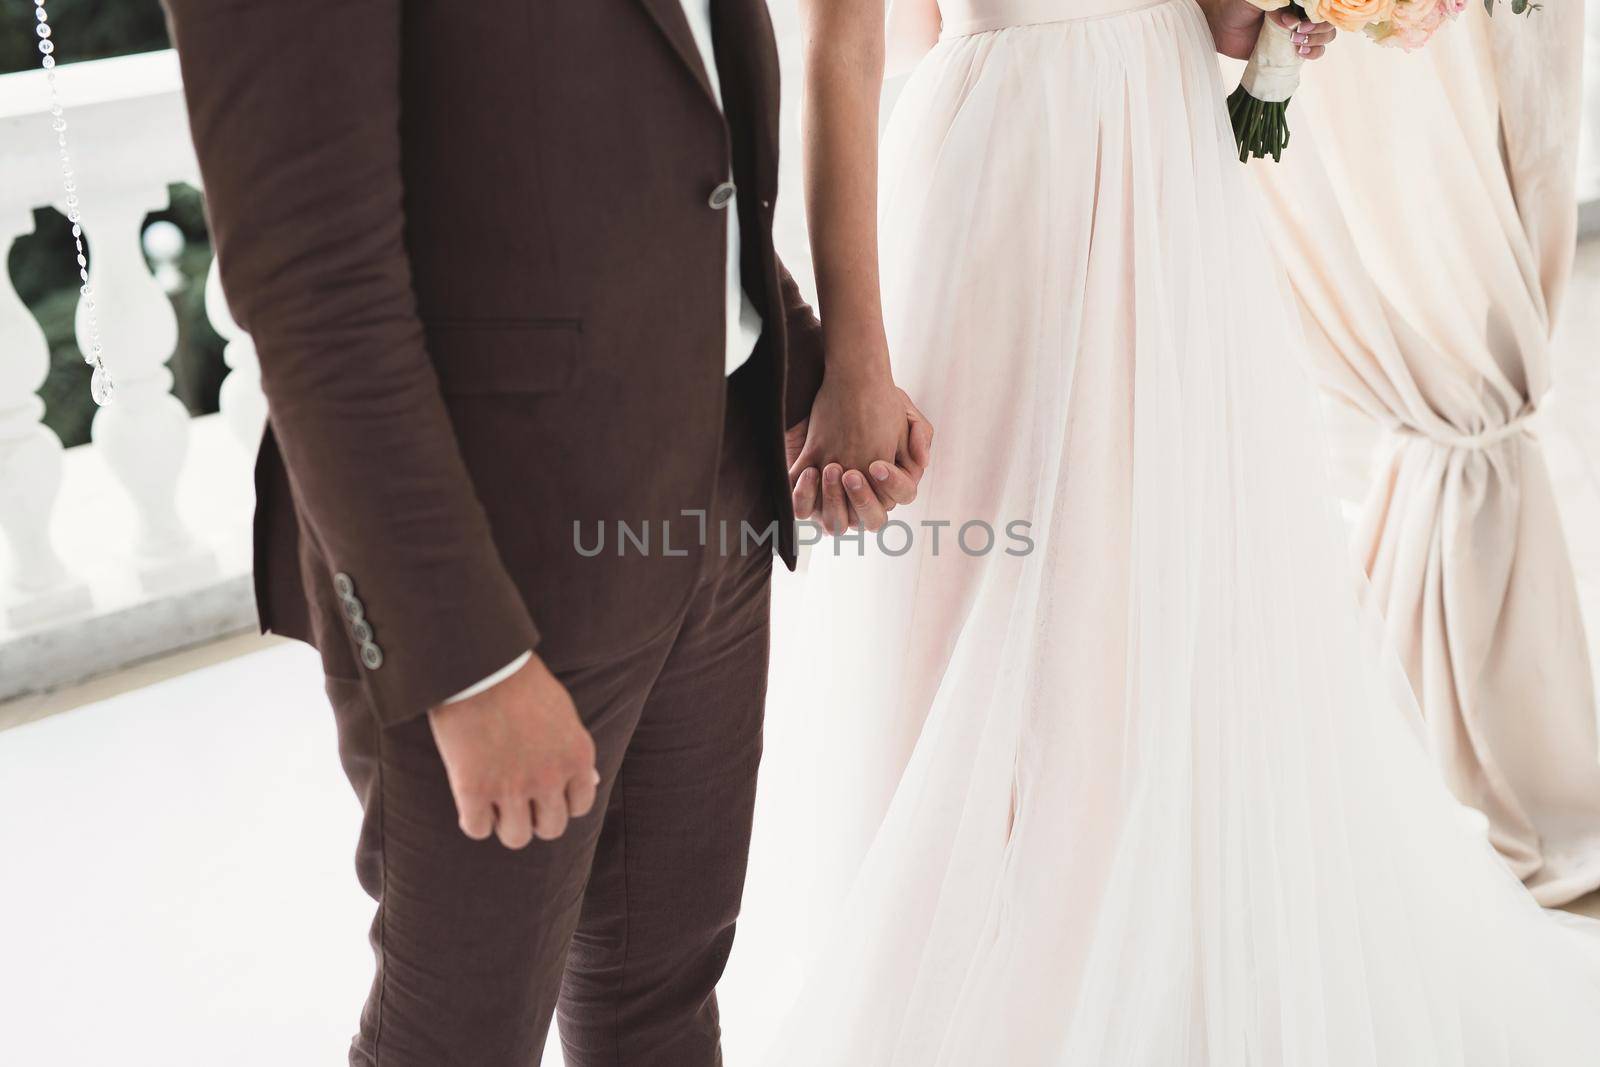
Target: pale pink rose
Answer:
pixel 1452 8
pixel 1411 14
pixel 1352 16
pixel 1412 23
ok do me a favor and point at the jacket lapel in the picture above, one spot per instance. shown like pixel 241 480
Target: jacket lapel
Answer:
pixel 670 19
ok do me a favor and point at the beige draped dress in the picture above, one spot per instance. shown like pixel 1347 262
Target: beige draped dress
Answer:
pixel 1426 214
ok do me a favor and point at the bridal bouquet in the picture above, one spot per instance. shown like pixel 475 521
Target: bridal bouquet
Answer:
pixel 1258 106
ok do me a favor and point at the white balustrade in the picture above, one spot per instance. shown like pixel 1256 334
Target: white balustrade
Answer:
pixel 91 581
pixel 243 403
pixel 130 141
pixel 38 586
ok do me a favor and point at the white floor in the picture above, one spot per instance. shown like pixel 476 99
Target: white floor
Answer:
pixel 177 886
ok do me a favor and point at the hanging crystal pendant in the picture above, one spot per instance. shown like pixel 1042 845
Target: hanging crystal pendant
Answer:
pixel 100 386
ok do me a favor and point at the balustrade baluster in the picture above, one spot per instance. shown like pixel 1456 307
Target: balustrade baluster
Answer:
pixel 143 435
pixel 38 587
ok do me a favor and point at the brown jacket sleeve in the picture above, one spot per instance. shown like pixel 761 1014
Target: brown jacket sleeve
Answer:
pixel 804 375
pixel 294 107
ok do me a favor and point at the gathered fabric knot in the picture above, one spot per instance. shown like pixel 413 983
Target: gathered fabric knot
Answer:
pixel 1474 442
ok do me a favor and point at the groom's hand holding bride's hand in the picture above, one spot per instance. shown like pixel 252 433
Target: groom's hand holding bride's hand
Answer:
pixel 861 453
pixel 519 762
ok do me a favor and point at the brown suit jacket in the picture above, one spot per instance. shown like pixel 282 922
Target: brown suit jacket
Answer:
pixel 474 246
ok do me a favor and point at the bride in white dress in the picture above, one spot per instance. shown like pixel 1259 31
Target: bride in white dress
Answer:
pixel 1161 806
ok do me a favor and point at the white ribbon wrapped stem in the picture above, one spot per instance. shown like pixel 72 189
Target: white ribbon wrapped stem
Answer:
pixel 1273 73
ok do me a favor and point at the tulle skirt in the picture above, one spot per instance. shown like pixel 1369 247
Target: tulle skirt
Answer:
pixel 1163 802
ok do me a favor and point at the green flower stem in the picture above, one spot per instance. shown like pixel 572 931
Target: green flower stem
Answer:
pixel 1260 129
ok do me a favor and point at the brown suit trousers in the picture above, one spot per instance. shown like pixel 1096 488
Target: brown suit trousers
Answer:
pixel 472 940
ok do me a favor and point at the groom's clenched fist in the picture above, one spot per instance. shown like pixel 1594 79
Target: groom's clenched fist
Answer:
pixel 520 763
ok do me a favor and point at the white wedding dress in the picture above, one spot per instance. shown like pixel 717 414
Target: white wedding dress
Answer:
pixel 1163 803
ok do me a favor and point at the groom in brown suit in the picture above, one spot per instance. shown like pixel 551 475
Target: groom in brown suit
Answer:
pixel 508 265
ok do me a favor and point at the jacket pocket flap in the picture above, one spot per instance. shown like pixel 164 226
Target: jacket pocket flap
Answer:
pixel 492 356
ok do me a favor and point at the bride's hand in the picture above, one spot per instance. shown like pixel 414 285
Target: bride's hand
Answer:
pixel 860 425
pixel 1235 25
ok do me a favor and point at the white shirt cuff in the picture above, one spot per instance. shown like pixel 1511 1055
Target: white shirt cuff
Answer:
pixel 494 679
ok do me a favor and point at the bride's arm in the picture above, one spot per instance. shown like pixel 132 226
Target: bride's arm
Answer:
pixel 859 422
pixel 843 81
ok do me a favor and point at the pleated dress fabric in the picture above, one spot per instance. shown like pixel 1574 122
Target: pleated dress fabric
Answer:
pixel 1134 787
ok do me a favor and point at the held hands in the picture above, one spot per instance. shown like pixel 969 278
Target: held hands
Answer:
pixel 520 764
pixel 1236 23
pixel 861 453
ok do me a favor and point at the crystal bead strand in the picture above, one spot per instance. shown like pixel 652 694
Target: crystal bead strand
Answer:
pixel 100 383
